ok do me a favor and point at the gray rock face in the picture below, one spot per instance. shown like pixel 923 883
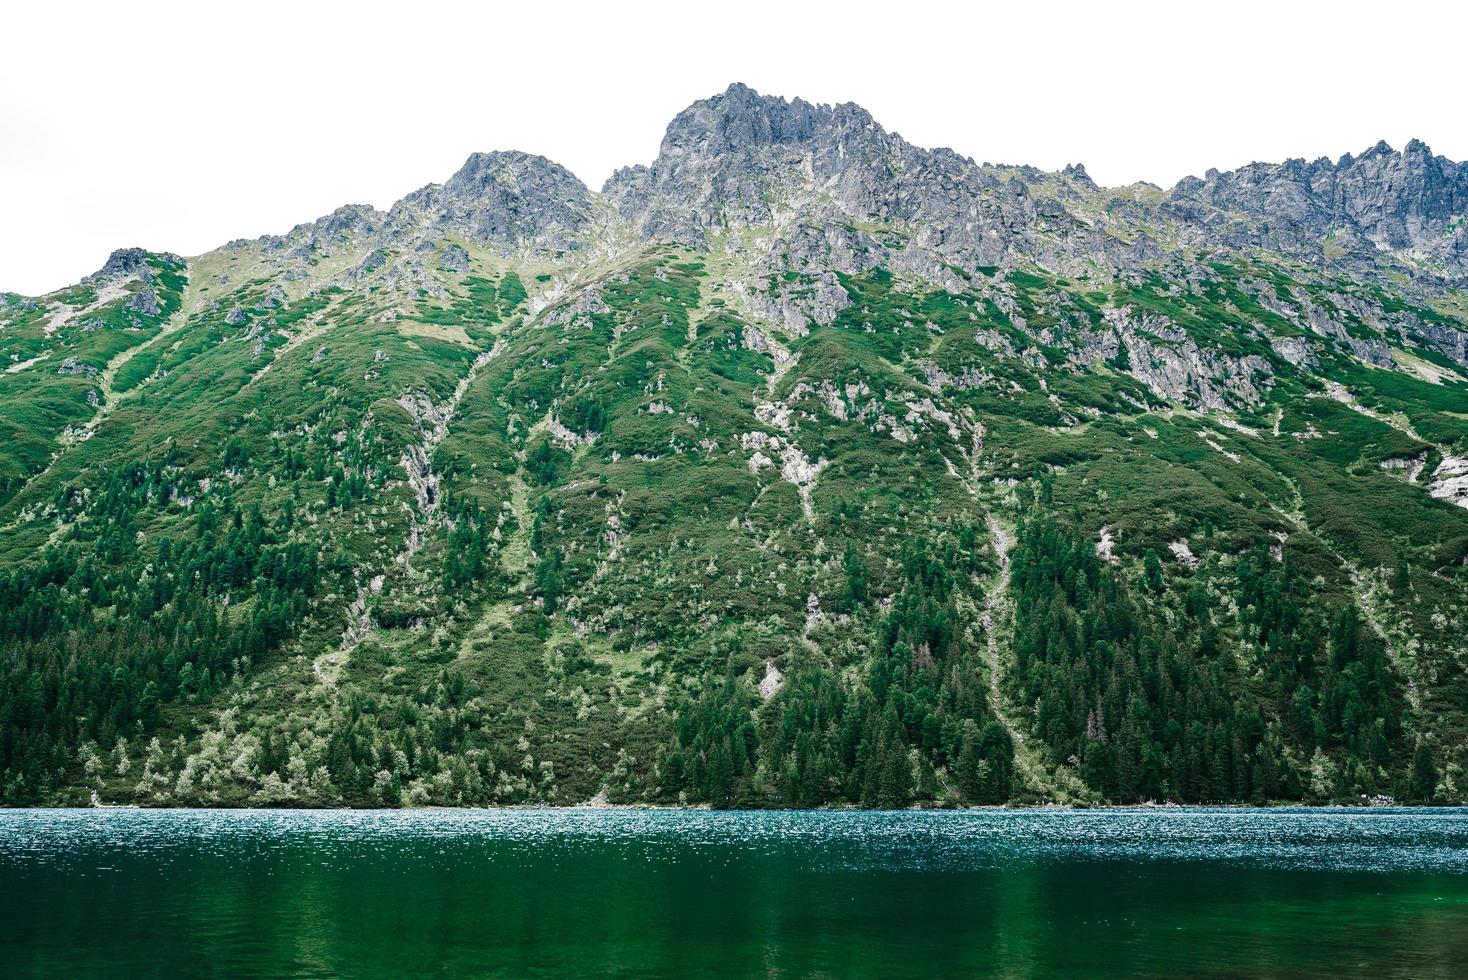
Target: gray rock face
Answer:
pixel 743 159
pixel 510 200
pixel 144 301
pixel 72 366
pixel 1173 365
pixel 825 191
pixel 1453 343
pixel 1372 350
pixel 1401 199
pixel 797 308
pixel 831 188
pixel 454 259
pixel 1382 199
pixel 346 221
pixel 123 261
pixel 738 158
pixel 342 226
pixel 818 174
pixel 374 260
pixel 587 302
pixel 132 262
pixel 1295 351
pixel 504 198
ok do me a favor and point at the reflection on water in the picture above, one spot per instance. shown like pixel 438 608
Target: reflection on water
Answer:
pixel 633 892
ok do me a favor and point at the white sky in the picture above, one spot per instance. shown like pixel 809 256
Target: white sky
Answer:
pixel 181 126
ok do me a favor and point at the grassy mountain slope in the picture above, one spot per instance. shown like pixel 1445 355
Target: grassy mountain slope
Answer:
pixel 397 510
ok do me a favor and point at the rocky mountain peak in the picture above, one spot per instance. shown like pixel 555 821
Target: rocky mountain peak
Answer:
pixel 1401 199
pixel 1385 198
pixel 1381 149
pixel 510 172
pixel 122 261
pixel 739 157
pixel 740 121
pixel 1077 172
pixel 504 197
pixel 548 487
pixel 840 193
pixel 821 173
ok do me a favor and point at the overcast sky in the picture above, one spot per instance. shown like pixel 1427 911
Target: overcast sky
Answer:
pixel 181 126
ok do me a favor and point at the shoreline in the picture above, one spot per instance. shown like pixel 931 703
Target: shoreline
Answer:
pixel 678 808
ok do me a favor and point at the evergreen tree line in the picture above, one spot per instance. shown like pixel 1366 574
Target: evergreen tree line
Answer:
pixel 1149 701
pixel 918 726
pixel 100 633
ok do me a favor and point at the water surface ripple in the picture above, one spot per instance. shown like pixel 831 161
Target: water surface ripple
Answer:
pixel 1156 891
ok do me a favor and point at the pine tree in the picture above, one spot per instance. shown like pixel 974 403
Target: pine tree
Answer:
pixel 1424 773
pixel 997 749
pixel 971 769
pixel 1401 574
pixel 1152 572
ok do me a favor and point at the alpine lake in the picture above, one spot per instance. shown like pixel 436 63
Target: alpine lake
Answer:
pixel 631 892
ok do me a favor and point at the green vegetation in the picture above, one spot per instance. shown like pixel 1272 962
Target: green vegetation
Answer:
pixel 1185 704
pixel 514 536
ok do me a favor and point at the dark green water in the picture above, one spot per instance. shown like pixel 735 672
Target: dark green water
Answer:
pixel 637 893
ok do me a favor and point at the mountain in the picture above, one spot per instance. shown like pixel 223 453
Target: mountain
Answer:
pixel 799 466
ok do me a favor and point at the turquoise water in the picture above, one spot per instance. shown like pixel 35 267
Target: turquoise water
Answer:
pixel 1158 892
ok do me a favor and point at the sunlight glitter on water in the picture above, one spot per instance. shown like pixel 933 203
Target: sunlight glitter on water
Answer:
pixel 682 893
pixel 1306 838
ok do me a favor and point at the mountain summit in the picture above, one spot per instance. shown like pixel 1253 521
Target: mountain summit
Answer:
pixel 799 466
